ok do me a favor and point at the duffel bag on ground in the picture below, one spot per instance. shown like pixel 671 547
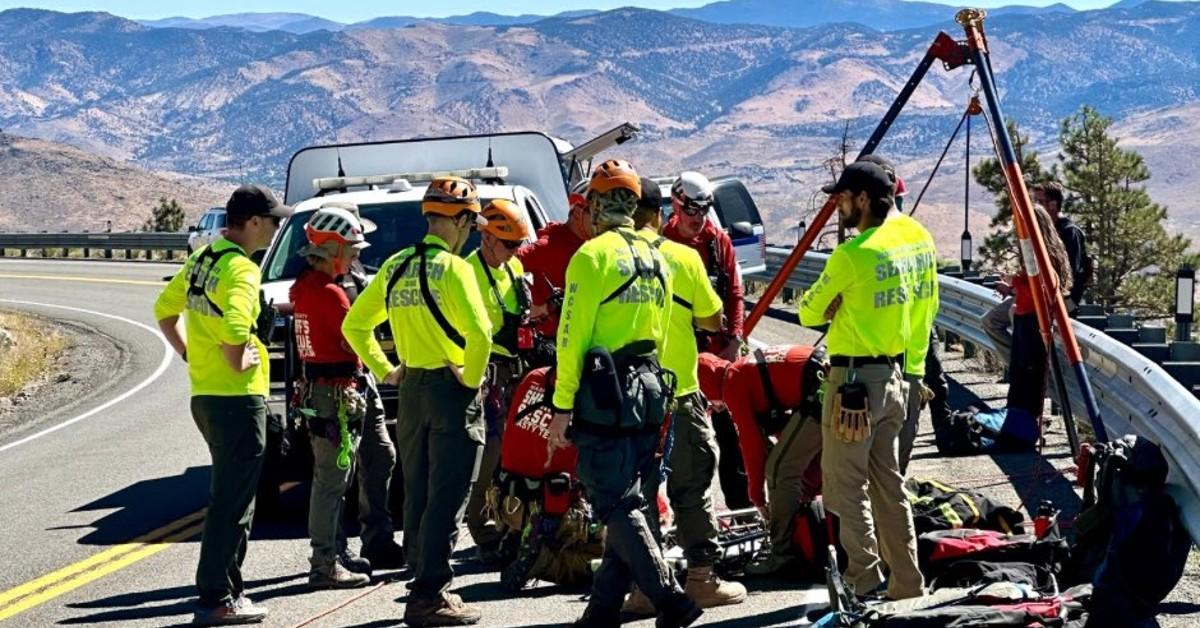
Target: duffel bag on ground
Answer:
pixel 939 550
pixel 973 573
pixel 937 506
pixel 810 541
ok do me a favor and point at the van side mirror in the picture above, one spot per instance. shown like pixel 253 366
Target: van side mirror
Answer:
pixel 742 229
pixel 193 228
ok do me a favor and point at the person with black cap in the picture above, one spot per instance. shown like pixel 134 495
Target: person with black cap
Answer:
pixel 218 288
pixel 878 292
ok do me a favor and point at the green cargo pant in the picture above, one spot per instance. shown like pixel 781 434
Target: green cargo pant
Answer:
pixel 440 436
pixel 863 485
pixel 235 429
pixel 329 484
pixel 693 466
pixel 786 466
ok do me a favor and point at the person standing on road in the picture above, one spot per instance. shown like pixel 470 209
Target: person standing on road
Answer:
pixel 501 278
pixel 878 292
pixel 613 394
pixel 692 197
pixel 443 339
pixel 335 396
pixel 1074 240
pixel 773 392
pixel 692 464
pixel 546 261
pixel 218 288
pixel 927 385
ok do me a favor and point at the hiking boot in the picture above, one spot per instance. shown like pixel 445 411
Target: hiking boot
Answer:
pixel 353 562
pixel 446 609
pixel 638 604
pixel 680 612
pixel 336 576
pixel 596 618
pixel 236 611
pixel 385 555
pixel 707 590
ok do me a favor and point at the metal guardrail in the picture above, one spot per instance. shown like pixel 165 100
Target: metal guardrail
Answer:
pixel 62 243
pixel 1136 396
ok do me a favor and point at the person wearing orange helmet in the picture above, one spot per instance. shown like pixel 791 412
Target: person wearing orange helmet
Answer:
pixel 332 393
pixel 612 394
pixel 505 294
pixel 443 337
pixel 546 261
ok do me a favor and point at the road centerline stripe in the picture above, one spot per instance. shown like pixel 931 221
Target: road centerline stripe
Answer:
pixel 80 278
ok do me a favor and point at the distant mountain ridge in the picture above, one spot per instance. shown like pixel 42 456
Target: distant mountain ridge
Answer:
pixel 878 14
pixel 766 103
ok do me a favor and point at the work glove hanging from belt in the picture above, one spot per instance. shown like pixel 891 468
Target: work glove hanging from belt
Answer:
pixel 851 413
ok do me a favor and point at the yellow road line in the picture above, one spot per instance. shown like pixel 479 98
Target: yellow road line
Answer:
pixel 132 282
pixel 47 587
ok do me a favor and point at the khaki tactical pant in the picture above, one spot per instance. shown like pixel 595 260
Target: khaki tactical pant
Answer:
pixel 787 463
pixel 440 435
pixel 693 466
pixel 863 485
pixel 376 460
pixel 995 324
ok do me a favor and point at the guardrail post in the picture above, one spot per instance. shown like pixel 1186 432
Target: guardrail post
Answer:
pixel 87 253
pixel 108 229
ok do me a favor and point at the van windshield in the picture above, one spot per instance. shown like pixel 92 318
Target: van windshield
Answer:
pixel 399 225
pixel 735 205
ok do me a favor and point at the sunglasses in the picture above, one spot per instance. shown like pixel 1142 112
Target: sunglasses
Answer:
pixel 694 210
pixel 511 245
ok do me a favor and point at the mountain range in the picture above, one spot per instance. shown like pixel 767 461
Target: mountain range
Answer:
pixel 878 14
pixel 767 103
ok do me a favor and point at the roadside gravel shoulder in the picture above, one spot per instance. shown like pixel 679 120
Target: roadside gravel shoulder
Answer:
pixel 87 365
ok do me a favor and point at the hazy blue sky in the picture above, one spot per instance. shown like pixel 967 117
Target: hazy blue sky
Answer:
pixel 357 10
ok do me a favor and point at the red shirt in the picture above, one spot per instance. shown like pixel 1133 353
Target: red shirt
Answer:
pixel 1022 295
pixel 546 260
pixel 742 391
pixel 734 307
pixel 319 305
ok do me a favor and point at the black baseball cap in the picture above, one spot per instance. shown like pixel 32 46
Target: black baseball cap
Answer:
pixel 255 200
pixel 651 195
pixel 864 176
pixel 881 161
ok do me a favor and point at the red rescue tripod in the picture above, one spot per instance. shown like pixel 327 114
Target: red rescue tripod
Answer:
pixel 1047 300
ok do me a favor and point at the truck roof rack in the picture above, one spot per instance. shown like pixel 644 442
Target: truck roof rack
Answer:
pixel 327 184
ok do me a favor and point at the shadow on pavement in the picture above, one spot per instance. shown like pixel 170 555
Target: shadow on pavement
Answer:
pixel 149 504
pixel 133 606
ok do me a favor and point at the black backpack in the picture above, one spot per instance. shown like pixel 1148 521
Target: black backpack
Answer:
pixel 1130 542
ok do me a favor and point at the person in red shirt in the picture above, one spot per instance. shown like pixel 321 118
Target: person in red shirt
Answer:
pixel 1029 361
pixel 332 385
pixel 546 261
pixel 692 198
pixel 773 392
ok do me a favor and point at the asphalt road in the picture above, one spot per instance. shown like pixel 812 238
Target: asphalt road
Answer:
pixel 100 517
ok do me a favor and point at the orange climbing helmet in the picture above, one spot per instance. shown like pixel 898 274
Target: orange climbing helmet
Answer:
pixel 615 174
pixel 450 196
pixel 504 220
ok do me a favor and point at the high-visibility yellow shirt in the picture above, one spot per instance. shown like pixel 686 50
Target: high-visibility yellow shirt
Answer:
pixel 420 341
pixel 596 271
pixel 887 278
pixel 232 285
pixel 503 287
pixel 693 297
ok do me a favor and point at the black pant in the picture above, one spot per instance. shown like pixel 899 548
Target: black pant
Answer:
pixel 235 429
pixel 731 469
pixel 1027 369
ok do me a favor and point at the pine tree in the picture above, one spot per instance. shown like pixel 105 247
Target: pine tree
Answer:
pixel 168 216
pixel 1134 255
pixel 998 251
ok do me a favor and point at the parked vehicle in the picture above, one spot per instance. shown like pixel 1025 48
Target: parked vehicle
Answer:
pixel 210 227
pixel 735 212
